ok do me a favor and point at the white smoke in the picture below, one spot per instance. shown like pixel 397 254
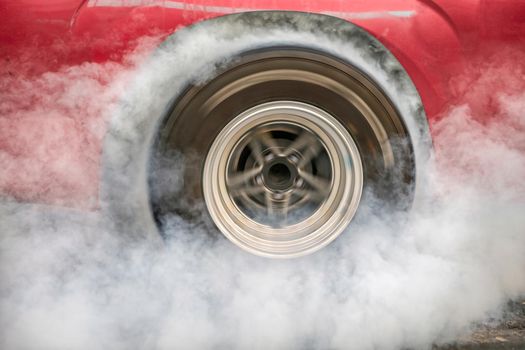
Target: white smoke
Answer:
pixel 69 280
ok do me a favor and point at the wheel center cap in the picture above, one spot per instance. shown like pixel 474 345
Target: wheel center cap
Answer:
pixel 279 174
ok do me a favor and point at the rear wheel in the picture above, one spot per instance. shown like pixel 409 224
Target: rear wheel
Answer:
pixel 284 142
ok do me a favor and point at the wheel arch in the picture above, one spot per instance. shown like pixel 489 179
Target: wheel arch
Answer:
pixel 131 130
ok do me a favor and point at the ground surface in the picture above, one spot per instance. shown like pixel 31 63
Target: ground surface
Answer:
pixel 508 334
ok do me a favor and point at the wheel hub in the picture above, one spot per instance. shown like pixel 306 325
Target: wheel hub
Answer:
pixel 280 174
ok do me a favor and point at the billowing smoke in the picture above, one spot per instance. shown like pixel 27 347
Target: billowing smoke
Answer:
pixel 69 280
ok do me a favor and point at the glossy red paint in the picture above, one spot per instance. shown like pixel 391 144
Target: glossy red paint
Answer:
pixel 435 41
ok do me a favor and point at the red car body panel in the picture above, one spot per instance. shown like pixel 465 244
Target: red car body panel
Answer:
pixel 434 41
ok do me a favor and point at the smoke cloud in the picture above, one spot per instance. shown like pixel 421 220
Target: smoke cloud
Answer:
pixel 70 280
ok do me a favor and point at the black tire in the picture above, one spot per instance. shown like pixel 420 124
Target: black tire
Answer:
pixel 155 149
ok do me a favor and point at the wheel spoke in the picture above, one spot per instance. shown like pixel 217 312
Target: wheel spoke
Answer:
pixel 240 178
pixel 269 142
pixel 269 203
pixel 256 148
pixel 283 211
pixel 309 154
pixel 322 185
pixel 303 140
pixel 249 190
pixel 311 194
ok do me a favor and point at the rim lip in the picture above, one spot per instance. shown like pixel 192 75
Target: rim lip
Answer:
pixel 340 206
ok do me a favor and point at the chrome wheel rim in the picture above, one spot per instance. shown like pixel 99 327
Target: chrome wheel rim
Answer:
pixel 282 179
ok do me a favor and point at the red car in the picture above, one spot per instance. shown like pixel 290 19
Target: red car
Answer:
pixel 280 120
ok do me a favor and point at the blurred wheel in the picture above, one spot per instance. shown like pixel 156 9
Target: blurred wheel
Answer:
pixel 283 178
pixel 282 144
